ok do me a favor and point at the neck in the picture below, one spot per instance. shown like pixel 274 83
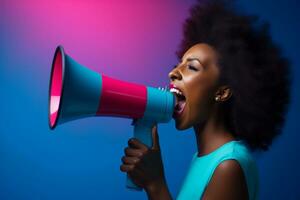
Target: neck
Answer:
pixel 210 135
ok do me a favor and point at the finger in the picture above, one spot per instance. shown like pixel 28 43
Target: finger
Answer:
pixel 155 138
pixel 126 168
pixel 132 152
pixel 135 143
pixel 130 160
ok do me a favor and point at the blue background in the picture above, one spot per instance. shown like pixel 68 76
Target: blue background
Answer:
pixel 130 40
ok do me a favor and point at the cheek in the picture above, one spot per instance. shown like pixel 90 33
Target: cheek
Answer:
pixel 200 103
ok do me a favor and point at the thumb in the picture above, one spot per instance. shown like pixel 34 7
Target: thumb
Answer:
pixel 155 138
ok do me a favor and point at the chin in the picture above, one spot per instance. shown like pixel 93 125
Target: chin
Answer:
pixel 182 127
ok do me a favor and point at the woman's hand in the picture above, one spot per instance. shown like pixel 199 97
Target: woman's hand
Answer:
pixel 144 164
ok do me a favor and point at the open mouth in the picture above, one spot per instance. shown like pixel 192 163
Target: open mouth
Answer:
pixel 180 102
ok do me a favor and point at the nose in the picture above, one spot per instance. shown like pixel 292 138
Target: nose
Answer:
pixel 175 74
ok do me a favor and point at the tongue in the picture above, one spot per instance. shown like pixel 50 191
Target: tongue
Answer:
pixel 179 107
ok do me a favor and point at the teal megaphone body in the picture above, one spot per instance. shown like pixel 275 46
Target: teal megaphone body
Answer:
pixel 77 92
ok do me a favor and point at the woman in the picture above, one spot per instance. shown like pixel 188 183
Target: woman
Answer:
pixel 232 86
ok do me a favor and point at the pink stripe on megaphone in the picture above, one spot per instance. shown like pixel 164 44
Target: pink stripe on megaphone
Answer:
pixel 120 98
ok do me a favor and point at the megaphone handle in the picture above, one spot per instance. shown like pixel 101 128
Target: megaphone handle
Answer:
pixel 143 132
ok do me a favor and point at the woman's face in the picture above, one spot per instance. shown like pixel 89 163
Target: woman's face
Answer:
pixel 196 78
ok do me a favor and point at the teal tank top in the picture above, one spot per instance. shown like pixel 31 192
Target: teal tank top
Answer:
pixel 202 168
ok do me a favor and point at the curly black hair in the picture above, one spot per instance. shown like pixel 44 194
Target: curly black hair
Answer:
pixel 250 63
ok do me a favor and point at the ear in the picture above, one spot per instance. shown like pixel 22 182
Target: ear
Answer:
pixel 223 93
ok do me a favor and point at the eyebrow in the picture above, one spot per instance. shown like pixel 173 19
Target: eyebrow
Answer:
pixel 189 60
pixel 192 59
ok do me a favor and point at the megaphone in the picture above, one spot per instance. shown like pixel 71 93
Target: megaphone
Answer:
pixel 77 92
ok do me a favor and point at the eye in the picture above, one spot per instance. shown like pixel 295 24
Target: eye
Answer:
pixel 192 68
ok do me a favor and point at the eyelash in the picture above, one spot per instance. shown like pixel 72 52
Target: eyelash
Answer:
pixel 189 66
pixel 192 68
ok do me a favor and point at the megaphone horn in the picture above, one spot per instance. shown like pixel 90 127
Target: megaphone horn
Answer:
pixel 76 92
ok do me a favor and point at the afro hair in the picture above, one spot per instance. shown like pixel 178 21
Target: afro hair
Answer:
pixel 251 64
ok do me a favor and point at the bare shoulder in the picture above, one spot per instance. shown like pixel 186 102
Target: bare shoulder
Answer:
pixel 227 182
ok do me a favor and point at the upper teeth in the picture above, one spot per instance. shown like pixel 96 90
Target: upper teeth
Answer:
pixel 175 90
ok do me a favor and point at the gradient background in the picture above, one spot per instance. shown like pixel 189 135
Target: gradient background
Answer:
pixel 132 40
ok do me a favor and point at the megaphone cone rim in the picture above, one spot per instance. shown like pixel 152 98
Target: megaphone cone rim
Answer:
pixel 59 49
